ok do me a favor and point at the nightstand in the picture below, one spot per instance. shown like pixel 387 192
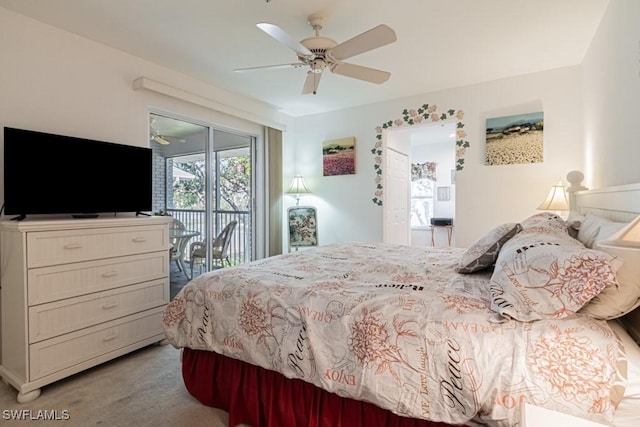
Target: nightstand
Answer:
pixel 535 416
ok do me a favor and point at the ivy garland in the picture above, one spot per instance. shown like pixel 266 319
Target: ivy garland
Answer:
pixel 424 114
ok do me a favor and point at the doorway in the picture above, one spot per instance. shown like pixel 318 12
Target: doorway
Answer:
pixel 431 149
pixel 203 178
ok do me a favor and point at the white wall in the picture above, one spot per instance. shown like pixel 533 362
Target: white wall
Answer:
pixel 485 195
pixel 591 113
pixel 54 81
pixel 611 86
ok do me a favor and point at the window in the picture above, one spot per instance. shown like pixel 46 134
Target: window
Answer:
pixel 421 202
pixel 423 181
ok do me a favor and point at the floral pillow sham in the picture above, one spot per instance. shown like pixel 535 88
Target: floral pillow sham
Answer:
pixel 545 222
pixel 484 253
pixel 548 275
pixel 616 301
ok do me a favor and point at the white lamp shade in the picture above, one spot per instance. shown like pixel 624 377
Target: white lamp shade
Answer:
pixel 556 200
pixel 628 236
pixel 298 186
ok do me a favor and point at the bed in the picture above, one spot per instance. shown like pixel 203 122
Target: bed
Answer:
pixel 374 334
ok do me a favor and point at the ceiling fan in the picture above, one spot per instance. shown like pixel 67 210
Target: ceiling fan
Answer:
pixel 166 140
pixel 320 53
pixel 162 139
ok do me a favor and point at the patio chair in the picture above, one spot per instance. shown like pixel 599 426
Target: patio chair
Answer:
pixel 178 245
pixel 219 248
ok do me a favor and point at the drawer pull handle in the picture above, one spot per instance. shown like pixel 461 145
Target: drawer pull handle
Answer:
pixel 139 239
pixel 109 305
pixel 109 274
pixel 110 337
pixel 73 246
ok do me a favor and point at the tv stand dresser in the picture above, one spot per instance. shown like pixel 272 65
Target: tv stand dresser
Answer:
pixel 78 292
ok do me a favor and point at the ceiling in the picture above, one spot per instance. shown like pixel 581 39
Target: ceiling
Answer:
pixel 440 44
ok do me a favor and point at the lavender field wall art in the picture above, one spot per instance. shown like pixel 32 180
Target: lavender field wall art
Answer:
pixel 515 139
pixel 339 157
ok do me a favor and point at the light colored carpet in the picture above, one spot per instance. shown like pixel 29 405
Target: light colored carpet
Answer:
pixel 143 388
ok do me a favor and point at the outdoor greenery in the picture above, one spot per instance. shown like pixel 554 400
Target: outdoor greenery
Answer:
pixel 233 180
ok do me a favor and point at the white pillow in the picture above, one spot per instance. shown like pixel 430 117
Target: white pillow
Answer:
pixel 596 228
pixel 607 230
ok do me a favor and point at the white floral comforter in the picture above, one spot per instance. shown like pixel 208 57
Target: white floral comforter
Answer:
pixel 395 326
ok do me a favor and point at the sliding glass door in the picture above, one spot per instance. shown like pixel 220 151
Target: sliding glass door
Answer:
pixel 203 178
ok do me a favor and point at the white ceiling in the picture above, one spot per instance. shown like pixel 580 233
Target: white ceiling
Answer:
pixel 441 44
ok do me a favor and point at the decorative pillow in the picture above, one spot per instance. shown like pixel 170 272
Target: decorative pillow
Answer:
pixel 616 301
pixel 595 227
pixel 483 253
pixel 548 275
pixel 606 231
pixel 544 222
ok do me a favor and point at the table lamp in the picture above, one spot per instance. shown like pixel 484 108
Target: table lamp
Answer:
pixel 297 188
pixel 556 199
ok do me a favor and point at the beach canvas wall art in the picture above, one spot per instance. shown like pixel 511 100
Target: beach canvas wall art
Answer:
pixel 515 139
pixel 339 156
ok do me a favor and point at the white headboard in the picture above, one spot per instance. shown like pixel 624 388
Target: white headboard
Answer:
pixel 620 203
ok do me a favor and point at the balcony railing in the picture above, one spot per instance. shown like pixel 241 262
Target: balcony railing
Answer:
pixel 240 246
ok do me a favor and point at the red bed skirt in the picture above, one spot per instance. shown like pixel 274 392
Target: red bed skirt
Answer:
pixel 263 398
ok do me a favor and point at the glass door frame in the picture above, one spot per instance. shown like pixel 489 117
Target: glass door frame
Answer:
pixel 210 198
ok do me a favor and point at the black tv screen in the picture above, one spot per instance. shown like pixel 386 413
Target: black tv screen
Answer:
pixel 55 174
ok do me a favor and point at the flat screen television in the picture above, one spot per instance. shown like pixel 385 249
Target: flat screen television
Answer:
pixel 48 174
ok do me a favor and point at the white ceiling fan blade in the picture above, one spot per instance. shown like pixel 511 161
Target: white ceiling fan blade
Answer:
pixel 311 83
pixel 284 38
pixel 361 73
pixel 161 140
pixel 173 138
pixel 294 65
pixel 369 40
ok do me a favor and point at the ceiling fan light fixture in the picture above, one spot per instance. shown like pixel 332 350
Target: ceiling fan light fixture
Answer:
pixel 317 65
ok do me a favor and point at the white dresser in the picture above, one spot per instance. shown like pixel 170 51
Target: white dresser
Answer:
pixel 78 292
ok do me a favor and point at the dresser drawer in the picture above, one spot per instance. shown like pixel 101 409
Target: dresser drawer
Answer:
pixel 61 317
pixel 49 284
pixel 66 246
pixel 56 354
